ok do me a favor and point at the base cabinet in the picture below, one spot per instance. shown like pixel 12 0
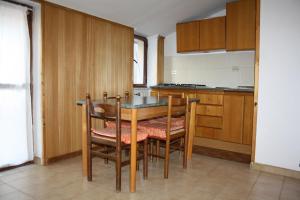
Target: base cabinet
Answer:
pixel 224 120
pixel 233 118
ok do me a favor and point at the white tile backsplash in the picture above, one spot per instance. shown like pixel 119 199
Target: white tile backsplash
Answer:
pixel 229 69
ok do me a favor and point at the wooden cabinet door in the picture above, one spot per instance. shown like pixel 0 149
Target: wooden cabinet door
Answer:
pixel 187 36
pixel 233 118
pixel 212 34
pixel 248 120
pixel 240 25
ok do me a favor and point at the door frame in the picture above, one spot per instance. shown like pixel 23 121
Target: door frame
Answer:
pixel 256 77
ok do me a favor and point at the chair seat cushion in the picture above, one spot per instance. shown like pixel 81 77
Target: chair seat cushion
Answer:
pixel 176 121
pixel 110 134
pixel 112 124
pixel 156 128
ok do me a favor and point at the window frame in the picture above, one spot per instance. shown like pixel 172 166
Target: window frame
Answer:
pixel 144 85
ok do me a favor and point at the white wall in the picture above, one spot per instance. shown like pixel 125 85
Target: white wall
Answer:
pixel 278 132
pixel 224 69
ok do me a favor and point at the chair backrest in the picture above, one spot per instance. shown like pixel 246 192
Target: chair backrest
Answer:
pixel 177 95
pixel 105 96
pixel 104 112
pixel 177 107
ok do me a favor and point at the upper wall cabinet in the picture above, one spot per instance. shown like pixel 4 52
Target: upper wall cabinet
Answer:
pixel 212 34
pixel 207 34
pixel 240 25
pixel 187 36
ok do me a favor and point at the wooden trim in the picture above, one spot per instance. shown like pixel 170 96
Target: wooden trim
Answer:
pixel 217 144
pixel 16 166
pixel 37 160
pixel 145 40
pixel 275 170
pixel 256 79
pixel 160 59
pixel 223 154
pixel 63 157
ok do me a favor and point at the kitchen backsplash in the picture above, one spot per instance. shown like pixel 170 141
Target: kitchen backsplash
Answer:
pixel 226 69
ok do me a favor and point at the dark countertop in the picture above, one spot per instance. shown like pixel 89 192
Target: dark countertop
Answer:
pixel 219 89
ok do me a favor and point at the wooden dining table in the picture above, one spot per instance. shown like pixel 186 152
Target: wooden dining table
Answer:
pixel 135 109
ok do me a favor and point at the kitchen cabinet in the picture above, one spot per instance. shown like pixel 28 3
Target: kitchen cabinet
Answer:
pixel 248 120
pixel 203 35
pixel 224 119
pixel 188 36
pixel 212 34
pixel 240 25
pixel 233 118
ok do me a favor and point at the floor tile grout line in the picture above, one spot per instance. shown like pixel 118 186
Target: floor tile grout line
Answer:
pixel 20 191
pixel 282 184
pixel 249 193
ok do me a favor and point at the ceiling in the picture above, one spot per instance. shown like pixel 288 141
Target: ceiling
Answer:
pixel 147 17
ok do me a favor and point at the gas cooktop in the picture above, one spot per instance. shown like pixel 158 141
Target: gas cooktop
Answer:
pixel 180 85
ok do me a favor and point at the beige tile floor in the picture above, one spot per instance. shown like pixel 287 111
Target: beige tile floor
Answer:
pixel 205 179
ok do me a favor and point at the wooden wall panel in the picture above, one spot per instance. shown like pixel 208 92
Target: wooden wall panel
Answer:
pixel 81 54
pixel 160 59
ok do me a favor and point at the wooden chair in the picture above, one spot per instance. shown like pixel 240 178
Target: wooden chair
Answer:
pixel 170 131
pixel 117 138
pixel 105 96
pixel 112 124
pixel 155 152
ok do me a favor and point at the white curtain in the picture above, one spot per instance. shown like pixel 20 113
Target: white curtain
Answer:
pixel 16 137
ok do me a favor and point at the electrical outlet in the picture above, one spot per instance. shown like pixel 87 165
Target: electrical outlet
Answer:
pixel 174 72
pixel 235 68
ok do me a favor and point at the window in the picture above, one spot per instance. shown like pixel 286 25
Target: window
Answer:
pixel 16 136
pixel 140 61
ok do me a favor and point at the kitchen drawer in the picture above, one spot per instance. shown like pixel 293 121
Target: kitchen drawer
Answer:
pixel 212 99
pixel 170 93
pixel 205 132
pixel 210 122
pixel 190 95
pixel 209 110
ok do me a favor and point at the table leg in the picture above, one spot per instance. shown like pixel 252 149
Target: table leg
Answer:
pixel 133 150
pixel 191 130
pixel 84 141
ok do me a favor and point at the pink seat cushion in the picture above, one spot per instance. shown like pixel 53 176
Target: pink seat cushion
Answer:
pixel 112 124
pixel 110 134
pixel 156 128
pixel 178 121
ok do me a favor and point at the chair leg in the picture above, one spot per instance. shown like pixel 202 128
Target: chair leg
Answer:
pixel 180 146
pixel 167 158
pixel 137 162
pixel 185 147
pixel 118 169
pixel 151 150
pixel 106 152
pixel 145 160
pixel 89 157
pixel 157 149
